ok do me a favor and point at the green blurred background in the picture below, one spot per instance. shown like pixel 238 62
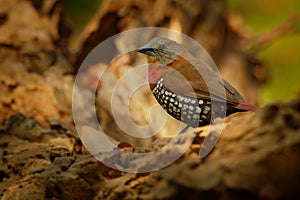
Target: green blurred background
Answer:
pixel 282 57
pixel 80 12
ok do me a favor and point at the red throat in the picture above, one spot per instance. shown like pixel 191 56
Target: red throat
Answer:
pixel 155 72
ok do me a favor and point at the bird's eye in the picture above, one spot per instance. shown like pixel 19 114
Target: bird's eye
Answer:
pixel 161 47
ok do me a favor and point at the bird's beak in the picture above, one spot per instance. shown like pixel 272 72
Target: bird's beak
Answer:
pixel 146 49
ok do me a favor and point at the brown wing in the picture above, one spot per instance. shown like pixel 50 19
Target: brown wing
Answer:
pixel 188 80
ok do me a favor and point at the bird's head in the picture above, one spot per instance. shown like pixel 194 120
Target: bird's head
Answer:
pixel 162 50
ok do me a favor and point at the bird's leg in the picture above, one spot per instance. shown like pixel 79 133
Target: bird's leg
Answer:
pixel 184 129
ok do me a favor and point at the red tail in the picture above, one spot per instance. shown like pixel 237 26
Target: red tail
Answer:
pixel 245 106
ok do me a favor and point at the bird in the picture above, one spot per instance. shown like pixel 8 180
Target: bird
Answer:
pixel 186 87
